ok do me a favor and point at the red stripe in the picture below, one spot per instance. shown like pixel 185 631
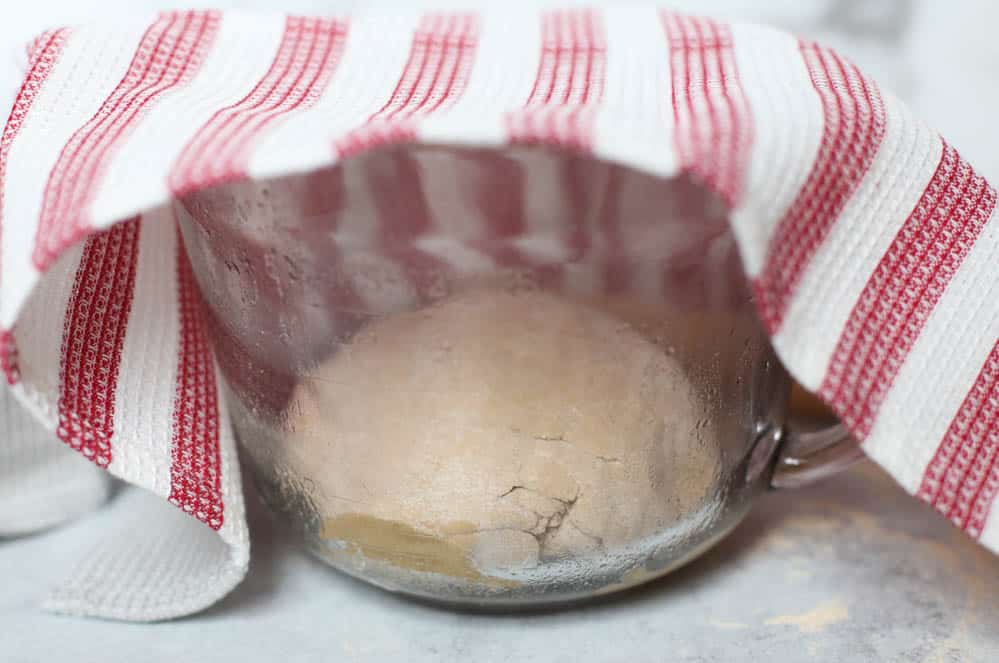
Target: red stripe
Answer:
pixel 615 253
pixel 962 480
pixel 713 127
pixel 220 151
pixel 9 361
pixel 569 83
pixel 195 466
pixel 434 78
pixel 854 125
pixel 414 71
pixel 903 290
pixel 712 121
pixel 403 219
pixel 729 102
pixel 169 54
pixel 565 58
pixel 593 72
pixel 445 64
pixel 93 336
pixel 545 77
pixel 682 56
pixel 568 89
pixel 47 45
pixel 44 52
pixel 532 125
pixel 373 136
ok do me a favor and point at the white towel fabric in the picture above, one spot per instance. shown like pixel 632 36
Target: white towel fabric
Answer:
pixel 868 241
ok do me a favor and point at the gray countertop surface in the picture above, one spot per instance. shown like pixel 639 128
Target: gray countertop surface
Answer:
pixel 850 569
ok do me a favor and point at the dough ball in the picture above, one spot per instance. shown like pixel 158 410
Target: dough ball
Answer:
pixel 498 430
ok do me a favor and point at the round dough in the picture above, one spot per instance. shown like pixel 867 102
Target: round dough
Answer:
pixel 497 430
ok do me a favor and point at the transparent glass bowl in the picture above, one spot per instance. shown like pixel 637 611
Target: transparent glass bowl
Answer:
pixel 496 378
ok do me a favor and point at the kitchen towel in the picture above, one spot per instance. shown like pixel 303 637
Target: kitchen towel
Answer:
pixel 868 241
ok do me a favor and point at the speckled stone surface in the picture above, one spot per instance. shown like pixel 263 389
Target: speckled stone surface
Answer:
pixel 847 570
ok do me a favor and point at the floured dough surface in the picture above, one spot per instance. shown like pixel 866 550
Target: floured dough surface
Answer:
pixel 499 430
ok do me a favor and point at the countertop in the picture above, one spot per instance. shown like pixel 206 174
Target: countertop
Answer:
pixel 850 569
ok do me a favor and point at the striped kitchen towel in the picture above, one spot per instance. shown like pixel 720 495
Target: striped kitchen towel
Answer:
pixel 868 241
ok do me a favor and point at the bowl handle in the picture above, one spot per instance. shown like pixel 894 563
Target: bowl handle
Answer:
pixel 804 457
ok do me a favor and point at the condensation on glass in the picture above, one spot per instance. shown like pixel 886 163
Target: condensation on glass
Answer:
pixel 304 276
